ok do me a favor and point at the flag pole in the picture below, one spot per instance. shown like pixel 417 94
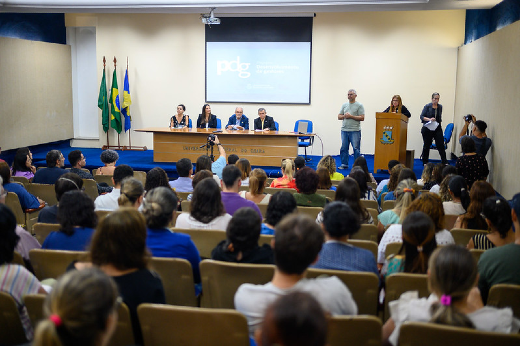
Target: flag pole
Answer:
pixel 115 68
pixel 130 147
pixel 108 140
pixel 108 146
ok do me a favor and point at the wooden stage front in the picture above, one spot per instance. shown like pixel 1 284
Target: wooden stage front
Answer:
pixel 260 148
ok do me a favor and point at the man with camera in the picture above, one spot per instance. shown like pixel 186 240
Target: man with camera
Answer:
pixel 478 134
pixel 220 163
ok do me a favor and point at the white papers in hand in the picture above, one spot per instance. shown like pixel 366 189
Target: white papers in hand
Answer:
pixel 431 125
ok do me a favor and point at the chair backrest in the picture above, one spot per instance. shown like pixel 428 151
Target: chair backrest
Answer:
pixel 277 126
pixel 273 190
pixel 104 179
pixel 448 131
pixel 141 176
pixel 374 213
pixel 462 236
pixel 265 239
pixel 177 279
pixel 189 123
pixel 392 249
pixel 431 334
pixel 175 325
pixel 91 189
pixel 34 306
pixel 183 195
pixel 244 188
pixel 504 295
pixel 397 284
pixel 312 212
pixel 219 123
pixel 388 205
pixel 449 221
pixel 370 204
pixel 476 253
pixel 263 208
pixel 220 281
pixel 364 287
pixel 186 206
pixel 12 201
pixel 42 230
pixel 204 239
pixel 44 192
pixel 336 182
pixel 11 331
pixel 52 263
pixel 366 232
pixel 365 244
pixel 23 180
pixel 309 128
pixel 327 193
pixel 269 181
pixel 354 331
pixel 18 259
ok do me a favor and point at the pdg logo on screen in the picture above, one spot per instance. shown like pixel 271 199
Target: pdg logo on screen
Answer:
pixel 233 66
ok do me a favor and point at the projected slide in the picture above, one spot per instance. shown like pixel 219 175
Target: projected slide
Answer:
pixel 258 72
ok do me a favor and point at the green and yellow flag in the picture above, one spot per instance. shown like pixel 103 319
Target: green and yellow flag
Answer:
pixel 103 102
pixel 115 121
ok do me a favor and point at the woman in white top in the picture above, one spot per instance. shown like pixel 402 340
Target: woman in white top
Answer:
pixel 459 192
pixel 257 181
pixel 207 210
pixel 245 168
pixel 428 203
pixel 454 301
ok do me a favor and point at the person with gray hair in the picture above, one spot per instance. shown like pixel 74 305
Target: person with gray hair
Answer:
pixel 54 169
pixel 264 122
pixel 351 114
pixel 238 121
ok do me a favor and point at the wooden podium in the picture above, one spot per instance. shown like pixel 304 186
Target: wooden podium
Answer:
pixel 391 132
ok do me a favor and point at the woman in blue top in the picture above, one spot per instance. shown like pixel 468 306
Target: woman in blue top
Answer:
pixel 159 209
pixel 27 201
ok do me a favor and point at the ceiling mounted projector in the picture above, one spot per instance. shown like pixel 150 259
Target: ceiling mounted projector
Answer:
pixel 210 18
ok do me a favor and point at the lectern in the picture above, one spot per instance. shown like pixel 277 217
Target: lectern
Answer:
pixel 391 131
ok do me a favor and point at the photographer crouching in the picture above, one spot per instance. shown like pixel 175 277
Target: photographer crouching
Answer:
pixel 478 134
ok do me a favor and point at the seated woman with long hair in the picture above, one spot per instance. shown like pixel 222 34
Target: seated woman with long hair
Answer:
pixel 458 189
pixel 454 299
pixel 324 183
pixel 257 181
pixel 430 204
pixel 287 179
pixel 406 193
pixel 156 177
pixel 406 173
pixel 245 169
pixel 241 244
pixel 365 191
pixel 197 178
pixel 497 213
pixel 418 245
pixel 361 162
pixel 206 210
pixel 392 182
pixel 77 222
pixel 473 219
pixel 22 164
pixel 132 192
pixel 426 175
pixel 80 310
pixel 307 183
pixel 329 163
pixel 281 204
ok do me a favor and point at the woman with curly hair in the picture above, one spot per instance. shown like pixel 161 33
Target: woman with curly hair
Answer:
pixel 472 219
pixel 307 181
pixel 426 175
pixel 329 163
pixel 392 183
pixel 109 158
pixel 281 204
pixel 156 177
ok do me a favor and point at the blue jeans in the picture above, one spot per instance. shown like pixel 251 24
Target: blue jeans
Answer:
pixel 348 137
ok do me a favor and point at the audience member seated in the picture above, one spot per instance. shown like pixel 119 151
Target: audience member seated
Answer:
pixel 446 170
pixel 77 162
pixel 361 162
pixel 80 310
pixel 339 223
pixel 427 174
pixel 16 280
pixel 238 121
pixel 77 222
pixel 54 169
pixel 444 191
pixel 27 201
pixel 324 182
pixel 27 242
pixel 183 182
pixel 132 192
pixel 459 197
pixel 384 182
pixel 473 219
pixel 67 182
pixel 365 191
pixel 329 163
pixel 245 168
pixel 204 163
pixel 392 181
pixel 281 204
pixel 232 159
pixel 207 210
pixel 293 319
pixel 436 177
pixel 109 158
pixel 307 181
pixel 159 209
pixel 287 178
pixel 348 192
pixel 406 193
pixel 299 162
pixel 406 174
pixel 198 177
pixel 156 177
pixel 119 248
pixel 430 204
pixel 418 245
pixel 22 164
pixel 298 241
pixel 257 181
pixel 497 214
pixel 109 201
pixel 500 265
pixel 231 182
pixel 470 165
pixel 241 245
pixel 454 299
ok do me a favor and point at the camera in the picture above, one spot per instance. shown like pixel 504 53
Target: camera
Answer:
pixel 211 139
pixel 468 117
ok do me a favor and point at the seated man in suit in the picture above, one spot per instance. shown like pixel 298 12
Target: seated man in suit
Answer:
pixel 238 121
pixel 264 122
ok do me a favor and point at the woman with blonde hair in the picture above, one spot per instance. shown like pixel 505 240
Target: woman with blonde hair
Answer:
pixel 287 180
pixel 257 180
pixel 406 193
pixel 80 310
pixel 396 106
pixel 245 168
pixel 132 192
pixel 329 163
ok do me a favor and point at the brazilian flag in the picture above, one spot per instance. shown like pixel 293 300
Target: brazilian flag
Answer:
pixel 115 109
pixel 103 102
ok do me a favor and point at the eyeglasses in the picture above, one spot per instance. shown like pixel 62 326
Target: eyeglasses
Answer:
pixel 351 94
pixel 435 98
